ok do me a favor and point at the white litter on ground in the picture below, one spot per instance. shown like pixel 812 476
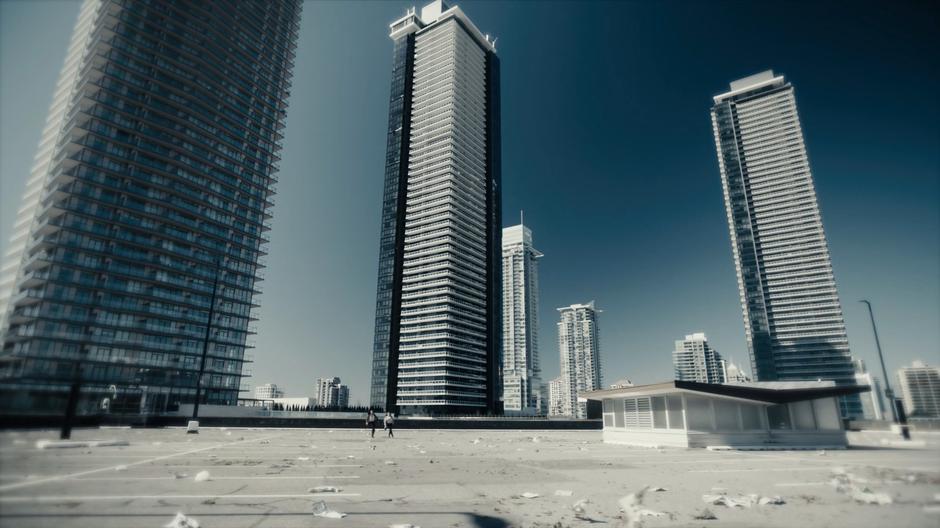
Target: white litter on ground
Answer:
pixel 659 488
pixel 120 468
pixel 528 495
pixel 182 521
pixel 391 463
pixel 776 500
pixel 403 525
pixel 633 512
pixel 324 489
pixel 321 510
pixel 849 484
pixel 564 493
pixel 731 501
pixel 303 459
pixel 202 476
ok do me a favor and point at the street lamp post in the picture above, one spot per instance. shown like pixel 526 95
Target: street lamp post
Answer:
pixel 889 394
pixel 193 426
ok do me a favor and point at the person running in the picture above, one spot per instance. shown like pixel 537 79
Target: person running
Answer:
pixel 390 424
pixel 370 422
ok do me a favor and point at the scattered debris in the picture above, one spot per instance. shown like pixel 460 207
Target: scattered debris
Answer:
pixel 659 488
pixel 180 475
pixel 403 525
pixel 202 476
pixel 303 459
pixel 731 501
pixel 775 500
pixel 321 510
pixel 120 468
pixel 705 515
pixel 182 521
pixel 528 495
pixel 866 496
pixel 849 484
pixel 563 493
pixel 324 489
pixel 391 463
pixel 350 456
pixel 265 442
pixel 209 502
pixel 633 512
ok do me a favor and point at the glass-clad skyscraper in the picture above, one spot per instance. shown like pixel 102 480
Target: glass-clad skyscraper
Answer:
pixel 792 314
pixel 150 197
pixel 437 323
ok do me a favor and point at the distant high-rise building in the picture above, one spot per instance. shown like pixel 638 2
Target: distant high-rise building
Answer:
pixel 268 391
pixel 521 372
pixel 872 408
pixel 332 393
pixel 145 216
pixel 579 348
pixel 733 373
pixel 694 360
pixel 437 319
pixel 792 315
pixel 556 396
pixel 920 390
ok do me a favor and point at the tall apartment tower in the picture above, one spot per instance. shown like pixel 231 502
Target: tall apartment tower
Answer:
pixel 579 348
pixel 148 205
pixel 694 360
pixel 521 371
pixel 792 315
pixel 920 390
pixel 332 393
pixel 437 319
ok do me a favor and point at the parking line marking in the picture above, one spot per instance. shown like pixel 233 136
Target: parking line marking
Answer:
pixel 87 498
pixel 228 477
pixel 35 482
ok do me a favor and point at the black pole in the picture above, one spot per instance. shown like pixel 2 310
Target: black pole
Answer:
pixel 205 343
pixel 889 394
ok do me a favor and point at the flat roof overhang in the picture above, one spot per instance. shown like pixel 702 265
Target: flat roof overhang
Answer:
pixel 801 391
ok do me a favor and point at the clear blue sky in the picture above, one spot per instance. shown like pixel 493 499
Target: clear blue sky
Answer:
pixel 607 145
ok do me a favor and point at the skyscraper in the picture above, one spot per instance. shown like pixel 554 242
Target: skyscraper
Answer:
pixel 437 321
pixel 694 360
pixel 521 371
pixel 143 224
pixel 792 315
pixel 920 390
pixel 332 393
pixel 556 397
pixel 579 348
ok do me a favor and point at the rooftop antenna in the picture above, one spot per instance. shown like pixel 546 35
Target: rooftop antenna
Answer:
pixel 521 218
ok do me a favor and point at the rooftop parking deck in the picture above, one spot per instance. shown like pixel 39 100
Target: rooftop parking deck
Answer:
pixel 436 478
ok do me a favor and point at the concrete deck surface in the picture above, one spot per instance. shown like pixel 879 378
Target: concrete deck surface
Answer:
pixel 261 478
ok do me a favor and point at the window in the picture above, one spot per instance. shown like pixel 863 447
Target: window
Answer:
pixel 778 416
pixel 750 417
pixel 803 415
pixel 674 410
pixel 643 418
pixel 659 412
pixel 698 412
pixel 629 412
pixel 726 415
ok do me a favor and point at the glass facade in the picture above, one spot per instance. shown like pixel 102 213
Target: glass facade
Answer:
pixel 792 314
pixel 157 198
pixel 437 326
